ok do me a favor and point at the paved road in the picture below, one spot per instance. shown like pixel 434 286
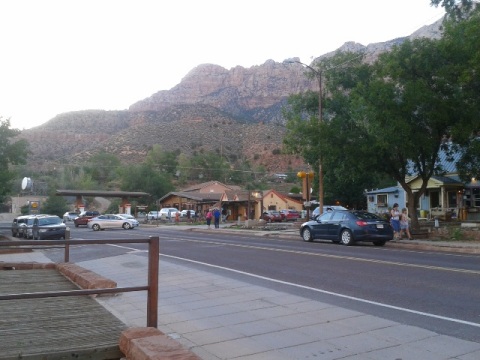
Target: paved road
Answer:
pixel 227 296
pixel 435 290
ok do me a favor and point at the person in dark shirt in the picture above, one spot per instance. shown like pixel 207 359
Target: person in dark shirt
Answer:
pixel 216 216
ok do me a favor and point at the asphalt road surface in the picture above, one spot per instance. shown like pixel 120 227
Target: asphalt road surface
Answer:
pixel 435 291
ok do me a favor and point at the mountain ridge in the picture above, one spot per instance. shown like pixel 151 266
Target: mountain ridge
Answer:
pixel 240 107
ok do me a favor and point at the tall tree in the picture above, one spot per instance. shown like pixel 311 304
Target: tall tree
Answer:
pixel 12 152
pixel 455 8
pixel 162 160
pixel 345 178
pixel 143 178
pixel 103 168
pixel 394 116
pixel 55 205
pixel 210 166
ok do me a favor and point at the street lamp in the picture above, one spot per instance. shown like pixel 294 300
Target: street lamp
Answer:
pixel 318 74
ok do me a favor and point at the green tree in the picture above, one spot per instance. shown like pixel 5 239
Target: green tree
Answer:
pixel 103 168
pixel 54 205
pixel 394 116
pixel 210 166
pixel 162 160
pixel 345 178
pixel 12 152
pixel 455 8
pixel 143 178
pixel 469 164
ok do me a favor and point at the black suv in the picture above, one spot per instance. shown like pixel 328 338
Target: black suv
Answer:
pixel 83 218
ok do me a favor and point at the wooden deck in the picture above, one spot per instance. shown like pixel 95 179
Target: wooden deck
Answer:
pixel 73 327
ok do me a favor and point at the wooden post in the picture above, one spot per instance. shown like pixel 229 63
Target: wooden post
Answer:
pixel 153 269
pixel 67 245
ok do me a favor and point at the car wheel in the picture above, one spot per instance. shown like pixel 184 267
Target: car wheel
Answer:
pixel 346 237
pixel 126 226
pixel 307 235
pixel 76 225
pixel 95 227
pixel 379 243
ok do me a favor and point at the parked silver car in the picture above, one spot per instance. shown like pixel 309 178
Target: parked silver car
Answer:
pixel 111 221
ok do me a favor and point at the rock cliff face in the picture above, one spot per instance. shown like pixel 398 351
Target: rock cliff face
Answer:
pixel 254 94
pixel 236 111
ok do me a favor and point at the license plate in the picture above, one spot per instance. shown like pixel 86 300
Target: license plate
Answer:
pixel 379 226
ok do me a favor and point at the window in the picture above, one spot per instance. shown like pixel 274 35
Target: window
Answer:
pixel 452 199
pixel 476 197
pixel 325 216
pixel 434 199
pixel 338 216
pixel 382 200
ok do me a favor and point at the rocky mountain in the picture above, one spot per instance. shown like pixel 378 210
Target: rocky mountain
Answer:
pixel 234 112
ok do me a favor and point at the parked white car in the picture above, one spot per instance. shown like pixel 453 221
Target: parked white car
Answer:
pixel 69 216
pixel 168 213
pixel 183 213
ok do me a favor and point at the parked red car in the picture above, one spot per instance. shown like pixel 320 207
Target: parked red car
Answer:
pixel 289 215
pixel 272 216
pixel 83 218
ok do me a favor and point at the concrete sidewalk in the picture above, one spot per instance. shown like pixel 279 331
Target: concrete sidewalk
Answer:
pixel 221 318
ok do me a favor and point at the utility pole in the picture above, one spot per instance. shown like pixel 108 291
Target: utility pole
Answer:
pixel 318 74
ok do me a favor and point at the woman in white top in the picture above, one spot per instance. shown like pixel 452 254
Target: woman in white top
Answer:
pixel 395 221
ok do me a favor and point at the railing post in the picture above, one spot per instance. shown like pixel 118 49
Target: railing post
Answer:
pixel 153 268
pixel 67 245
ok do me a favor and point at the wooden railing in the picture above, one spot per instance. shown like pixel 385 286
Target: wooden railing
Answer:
pixel 152 280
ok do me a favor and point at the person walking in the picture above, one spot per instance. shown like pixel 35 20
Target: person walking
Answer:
pixel 404 226
pixel 216 215
pixel 189 216
pixel 209 217
pixel 395 221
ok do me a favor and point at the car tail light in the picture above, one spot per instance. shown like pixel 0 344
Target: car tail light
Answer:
pixel 361 223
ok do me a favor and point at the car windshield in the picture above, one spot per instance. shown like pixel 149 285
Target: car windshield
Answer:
pixel 50 221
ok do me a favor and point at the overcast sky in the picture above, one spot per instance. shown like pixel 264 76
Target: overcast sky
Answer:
pixel 60 55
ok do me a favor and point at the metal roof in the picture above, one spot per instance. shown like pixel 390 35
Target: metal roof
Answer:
pixel 101 193
pixel 390 189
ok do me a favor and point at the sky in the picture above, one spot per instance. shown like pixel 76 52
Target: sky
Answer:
pixel 64 55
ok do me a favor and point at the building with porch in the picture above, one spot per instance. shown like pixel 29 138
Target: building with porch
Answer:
pixel 446 196
pixel 235 203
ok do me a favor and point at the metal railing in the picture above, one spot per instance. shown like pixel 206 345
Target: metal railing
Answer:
pixel 152 280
